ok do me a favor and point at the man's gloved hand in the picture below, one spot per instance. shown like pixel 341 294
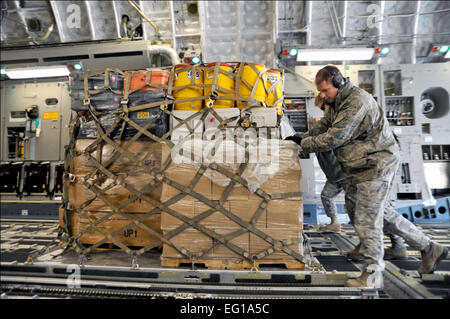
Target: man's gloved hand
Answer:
pixel 297 138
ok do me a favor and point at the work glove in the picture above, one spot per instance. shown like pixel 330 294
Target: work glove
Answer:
pixel 297 138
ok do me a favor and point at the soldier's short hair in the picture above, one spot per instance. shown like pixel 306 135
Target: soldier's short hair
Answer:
pixel 325 75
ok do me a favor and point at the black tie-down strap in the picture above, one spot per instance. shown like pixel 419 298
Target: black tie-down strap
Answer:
pixel 102 170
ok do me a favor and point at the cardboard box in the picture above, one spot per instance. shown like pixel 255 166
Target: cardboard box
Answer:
pixel 285 176
pixel 61 217
pixel 292 233
pixel 194 241
pixel 284 213
pixel 191 208
pixel 277 213
pixel 183 175
pixel 245 209
pixel 134 236
pixel 123 164
pixel 117 195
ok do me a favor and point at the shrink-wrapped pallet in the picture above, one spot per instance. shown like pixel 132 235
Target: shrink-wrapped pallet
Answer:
pixel 93 195
pixel 127 185
pixel 266 195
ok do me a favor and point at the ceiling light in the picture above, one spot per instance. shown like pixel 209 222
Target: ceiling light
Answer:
pixel 385 50
pixel 38 72
pixel 380 51
pixel 335 54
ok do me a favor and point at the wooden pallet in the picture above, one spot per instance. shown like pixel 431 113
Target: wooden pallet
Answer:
pixel 231 264
pixel 111 247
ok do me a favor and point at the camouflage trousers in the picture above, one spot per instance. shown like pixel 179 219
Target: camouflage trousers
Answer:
pixel 329 192
pixel 370 206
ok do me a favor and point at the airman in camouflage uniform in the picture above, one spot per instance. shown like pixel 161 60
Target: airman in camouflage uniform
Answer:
pixel 356 128
pixel 335 184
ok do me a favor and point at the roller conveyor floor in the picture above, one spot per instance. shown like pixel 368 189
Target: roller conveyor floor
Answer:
pixel 110 274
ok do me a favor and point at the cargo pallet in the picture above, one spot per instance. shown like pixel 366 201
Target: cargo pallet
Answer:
pixel 234 264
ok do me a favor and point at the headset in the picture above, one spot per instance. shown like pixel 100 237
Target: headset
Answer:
pixel 337 79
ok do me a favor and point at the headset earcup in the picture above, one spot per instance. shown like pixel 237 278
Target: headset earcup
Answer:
pixel 337 80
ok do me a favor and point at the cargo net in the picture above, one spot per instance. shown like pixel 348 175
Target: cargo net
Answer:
pixel 124 190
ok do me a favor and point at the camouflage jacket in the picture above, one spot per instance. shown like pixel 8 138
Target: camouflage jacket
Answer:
pixel 357 130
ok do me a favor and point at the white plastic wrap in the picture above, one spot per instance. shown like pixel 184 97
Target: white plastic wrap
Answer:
pixel 266 158
pixel 286 128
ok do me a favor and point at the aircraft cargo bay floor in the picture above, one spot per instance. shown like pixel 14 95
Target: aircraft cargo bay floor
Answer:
pixel 23 238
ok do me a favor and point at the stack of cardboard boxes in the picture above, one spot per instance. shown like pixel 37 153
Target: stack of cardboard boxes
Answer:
pixel 126 172
pixel 119 190
pixel 280 219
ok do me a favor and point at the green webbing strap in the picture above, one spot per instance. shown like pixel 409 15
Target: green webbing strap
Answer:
pixel 159 205
pixel 262 206
pixel 231 216
pixel 149 105
pixel 126 90
pixel 238 179
pixel 74 123
pixel 277 99
pixel 158 177
pixel 147 80
pixel 216 78
pixel 107 86
pixel 203 112
pixel 238 80
pixel 222 122
pixel 125 146
pixel 86 88
pixel 236 219
pixel 116 210
pixel 257 81
pixel 286 195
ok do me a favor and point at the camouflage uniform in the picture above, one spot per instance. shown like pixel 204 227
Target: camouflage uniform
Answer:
pixel 335 184
pixel 358 132
pixel 329 192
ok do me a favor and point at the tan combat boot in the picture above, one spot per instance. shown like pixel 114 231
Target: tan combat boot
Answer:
pixel 367 279
pixel 354 254
pixel 397 251
pixel 431 256
pixel 334 226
